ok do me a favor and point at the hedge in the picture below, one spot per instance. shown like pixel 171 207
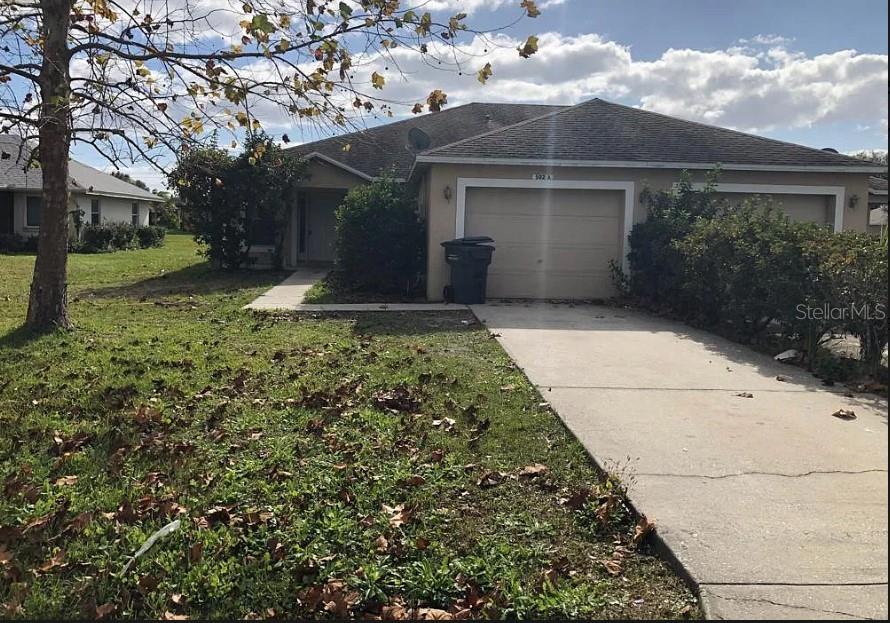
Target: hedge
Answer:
pixel 752 271
pixel 118 237
pixel 16 243
pixel 380 241
pixel 95 239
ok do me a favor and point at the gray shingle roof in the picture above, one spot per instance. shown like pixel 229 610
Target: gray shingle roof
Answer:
pixel 83 178
pixel 597 130
pixel 877 184
pixel 386 147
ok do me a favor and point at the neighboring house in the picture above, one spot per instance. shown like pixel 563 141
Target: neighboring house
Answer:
pixel 559 188
pixel 877 205
pixel 100 197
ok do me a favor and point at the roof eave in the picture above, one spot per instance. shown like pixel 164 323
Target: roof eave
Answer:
pixel 102 193
pixel 631 164
pixel 337 163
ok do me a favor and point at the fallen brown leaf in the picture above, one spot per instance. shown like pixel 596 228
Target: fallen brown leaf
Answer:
pixel 613 567
pixel 414 480
pixel 844 414
pixel 642 529
pixel 491 479
pixel 147 583
pixel 533 471
pixel 577 499
pixel 66 481
pixel 104 610
pixel 381 544
pixel 433 614
pixel 9 534
pixel 196 552
pixel 56 562
pixel 398 515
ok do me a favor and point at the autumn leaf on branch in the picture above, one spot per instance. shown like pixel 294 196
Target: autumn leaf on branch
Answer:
pixel 436 100
pixel 484 74
pixel 530 47
pixel 530 7
pixel 148 83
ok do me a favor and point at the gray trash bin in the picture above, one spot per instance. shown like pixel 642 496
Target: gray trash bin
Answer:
pixel 469 259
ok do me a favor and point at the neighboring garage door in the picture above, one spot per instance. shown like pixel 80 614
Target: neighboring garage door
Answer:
pixel 550 243
pixel 799 208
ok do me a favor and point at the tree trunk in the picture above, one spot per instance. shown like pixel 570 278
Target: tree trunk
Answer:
pixel 48 304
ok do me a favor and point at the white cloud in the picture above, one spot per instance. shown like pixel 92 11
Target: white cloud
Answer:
pixel 770 39
pixel 736 87
pixel 467 6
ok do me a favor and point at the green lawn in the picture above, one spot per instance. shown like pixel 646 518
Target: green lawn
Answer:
pixel 320 467
pixel 331 289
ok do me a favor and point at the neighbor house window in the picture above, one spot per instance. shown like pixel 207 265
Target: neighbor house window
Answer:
pixel 135 213
pixel 95 212
pixel 32 213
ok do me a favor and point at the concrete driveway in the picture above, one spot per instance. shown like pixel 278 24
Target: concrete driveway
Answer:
pixel 774 507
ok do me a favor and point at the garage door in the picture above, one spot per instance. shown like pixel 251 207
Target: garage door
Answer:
pixel 553 244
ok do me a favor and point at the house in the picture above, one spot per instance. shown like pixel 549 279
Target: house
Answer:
pixel 559 187
pixel 98 196
pixel 877 205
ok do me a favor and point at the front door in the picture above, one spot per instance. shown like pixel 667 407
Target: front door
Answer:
pixel 321 224
pixel 7 220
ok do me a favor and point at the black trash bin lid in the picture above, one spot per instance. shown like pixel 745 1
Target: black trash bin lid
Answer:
pixel 467 241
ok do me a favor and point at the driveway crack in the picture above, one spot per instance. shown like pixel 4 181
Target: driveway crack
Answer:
pixel 813 472
pixel 787 605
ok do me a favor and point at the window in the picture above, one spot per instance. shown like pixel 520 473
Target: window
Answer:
pixel 134 213
pixel 32 214
pixel 95 212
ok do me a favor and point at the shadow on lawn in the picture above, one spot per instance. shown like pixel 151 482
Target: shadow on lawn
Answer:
pixel 414 323
pixel 20 337
pixel 197 279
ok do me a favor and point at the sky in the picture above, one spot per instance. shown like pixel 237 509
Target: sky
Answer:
pixel 813 72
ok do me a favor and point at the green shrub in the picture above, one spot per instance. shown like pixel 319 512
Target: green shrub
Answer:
pixel 854 267
pixel 656 265
pixel 150 236
pixel 749 270
pixel 16 243
pixel 123 236
pixel 222 197
pixel 380 239
pixel 95 238
pixel 742 267
pixel 118 237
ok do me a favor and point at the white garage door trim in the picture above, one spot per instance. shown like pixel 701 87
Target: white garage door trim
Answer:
pixel 493 182
pixel 837 192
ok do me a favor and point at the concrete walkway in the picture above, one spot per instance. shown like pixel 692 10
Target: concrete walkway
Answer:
pixel 291 291
pixel 289 294
pixel 775 508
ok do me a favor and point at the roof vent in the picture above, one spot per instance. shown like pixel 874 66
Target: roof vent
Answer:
pixel 418 139
pixel 830 150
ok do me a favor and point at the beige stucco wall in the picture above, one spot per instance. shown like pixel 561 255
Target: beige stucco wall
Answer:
pixel 441 212
pixel 320 175
pixel 111 209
